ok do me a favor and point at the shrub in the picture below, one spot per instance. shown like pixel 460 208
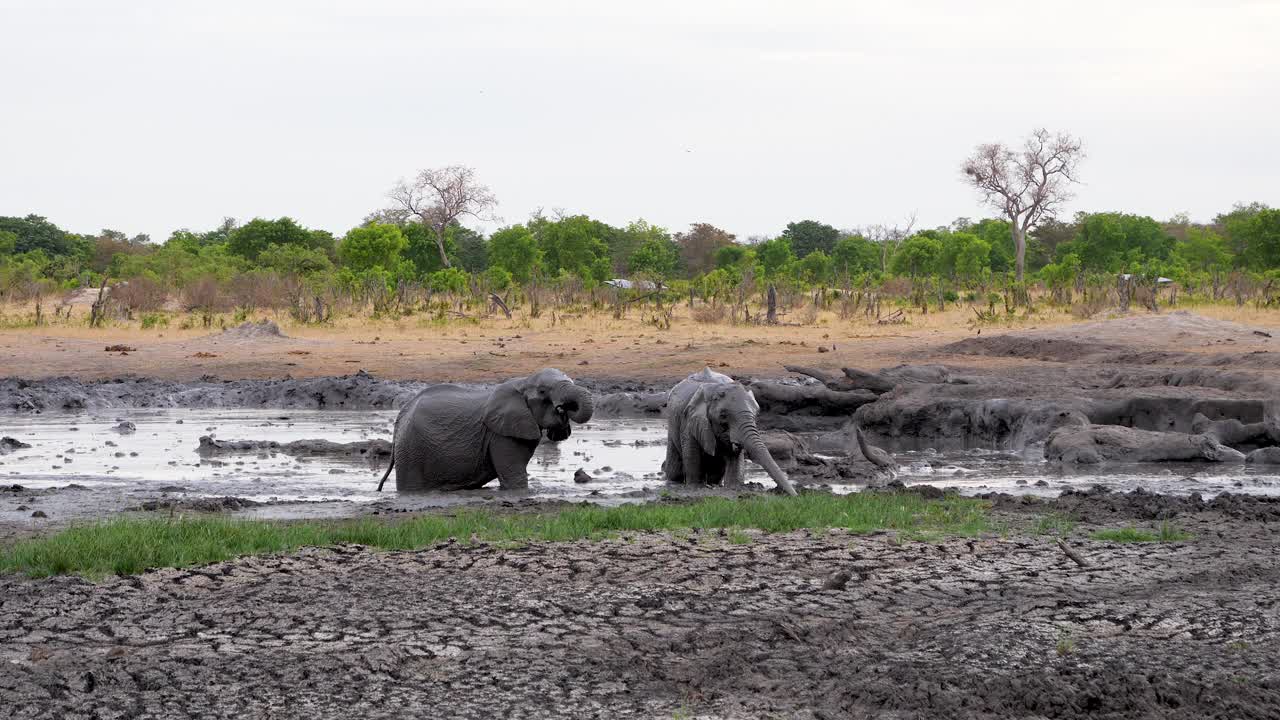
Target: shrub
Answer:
pixel 141 294
pixel 154 319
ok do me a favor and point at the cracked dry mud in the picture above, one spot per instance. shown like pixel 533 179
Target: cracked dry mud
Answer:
pixel 664 626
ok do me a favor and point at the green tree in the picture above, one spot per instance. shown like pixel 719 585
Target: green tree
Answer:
pixel 624 243
pixel 1260 237
pixel 854 255
pixel 515 250
pixel 8 242
pixel 370 246
pixel 917 255
pixel 1060 276
pixel 249 240
pixel 1234 226
pixel 815 268
pixel 809 236
pixel 998 235
pixel 449 280
pixel 1203 250
pixel 1112 242
pixel 180 267
pixel 776 256
pixel 473 249
pixel 574 244
pixel 497 278
pixel 294 260
pixel 657 257
pixel 973 259
pixel 422 250
pixel 34 232
pixel 733 256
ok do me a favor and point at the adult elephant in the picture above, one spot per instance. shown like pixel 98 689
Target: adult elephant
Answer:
pixel 711 423
pixel 450 437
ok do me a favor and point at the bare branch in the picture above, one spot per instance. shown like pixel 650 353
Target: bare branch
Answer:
pixel 1026 186
pixel 439 196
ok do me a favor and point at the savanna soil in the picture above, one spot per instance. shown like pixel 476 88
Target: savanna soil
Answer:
pixel 596 346
pixel 702 625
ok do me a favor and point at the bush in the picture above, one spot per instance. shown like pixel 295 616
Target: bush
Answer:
pixel 449 280
pixel 141 294
pixel 497 278
pixel 154 319
pixel 204 295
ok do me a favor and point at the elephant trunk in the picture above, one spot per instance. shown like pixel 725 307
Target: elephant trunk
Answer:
pixel 576 401
pixel 755 448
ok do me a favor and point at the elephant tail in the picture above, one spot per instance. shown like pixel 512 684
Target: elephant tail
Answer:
pixel 387 474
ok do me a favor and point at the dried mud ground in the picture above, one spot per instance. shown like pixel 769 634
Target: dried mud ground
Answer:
pixel 661 626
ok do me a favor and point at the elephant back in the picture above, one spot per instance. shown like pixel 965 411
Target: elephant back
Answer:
pixel 678 397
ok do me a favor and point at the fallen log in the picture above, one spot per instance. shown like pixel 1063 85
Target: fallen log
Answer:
pixel 1075 556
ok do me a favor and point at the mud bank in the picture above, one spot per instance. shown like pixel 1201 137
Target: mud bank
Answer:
pixel 361 391
pixel 662 626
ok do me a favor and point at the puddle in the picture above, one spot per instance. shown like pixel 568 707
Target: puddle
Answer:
pixel 116 471
pixel 161 453
pixel 980 471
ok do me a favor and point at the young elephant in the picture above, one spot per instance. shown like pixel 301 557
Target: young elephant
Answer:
pixel 711 422
pixel 457 438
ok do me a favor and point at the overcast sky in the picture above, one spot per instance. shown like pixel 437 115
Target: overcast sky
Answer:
pixel 150 116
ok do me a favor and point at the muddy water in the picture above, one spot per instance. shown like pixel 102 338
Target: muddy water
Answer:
pixel 979 471
pixel 160 456
pixel 80 466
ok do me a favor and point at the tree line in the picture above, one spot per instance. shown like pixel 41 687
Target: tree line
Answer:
pixel 420 242
pixel 967 254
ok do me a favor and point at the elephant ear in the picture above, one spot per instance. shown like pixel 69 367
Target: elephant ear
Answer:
pixel 698 424
pixel 507 413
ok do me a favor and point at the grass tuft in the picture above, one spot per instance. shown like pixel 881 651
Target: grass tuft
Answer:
pixel 130 546
pixel 1166 533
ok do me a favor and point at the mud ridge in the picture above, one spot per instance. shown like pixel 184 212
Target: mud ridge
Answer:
pixel 360 391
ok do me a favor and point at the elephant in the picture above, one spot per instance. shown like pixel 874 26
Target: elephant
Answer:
pixel 450 437
pixel 711 422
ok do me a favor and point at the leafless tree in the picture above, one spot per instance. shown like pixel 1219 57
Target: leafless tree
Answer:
pixel 1026 184
pixel 887 237
pixel 440 196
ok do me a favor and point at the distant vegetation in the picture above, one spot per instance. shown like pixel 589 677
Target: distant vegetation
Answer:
pixel 416 257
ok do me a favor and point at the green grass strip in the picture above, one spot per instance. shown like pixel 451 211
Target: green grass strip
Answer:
pixel 131 545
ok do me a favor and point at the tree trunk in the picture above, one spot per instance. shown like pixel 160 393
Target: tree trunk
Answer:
pixel 1020 251
pixel 772 316
pixel 440 246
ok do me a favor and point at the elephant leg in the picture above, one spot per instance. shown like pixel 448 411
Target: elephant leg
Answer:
pixel 692 462
pixel 410 469
pixel 733 470
pixel 510 457
pixel 673 466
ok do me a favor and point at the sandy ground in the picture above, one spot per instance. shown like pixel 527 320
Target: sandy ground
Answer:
pixel 661 626
pixel 586 346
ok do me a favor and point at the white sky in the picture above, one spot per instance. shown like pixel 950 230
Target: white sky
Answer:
pixel 148 116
